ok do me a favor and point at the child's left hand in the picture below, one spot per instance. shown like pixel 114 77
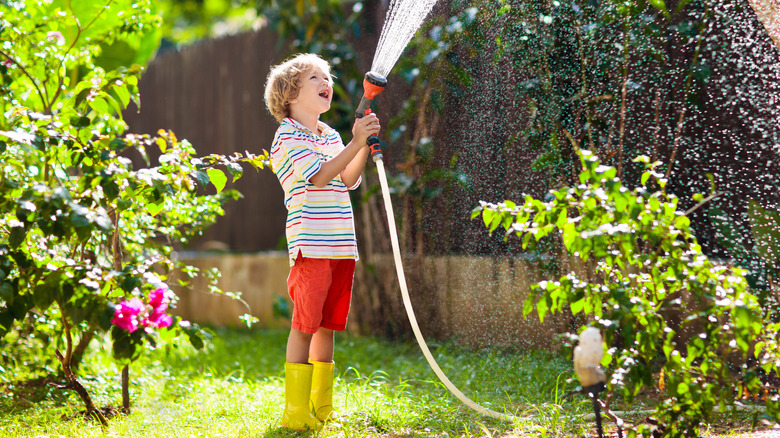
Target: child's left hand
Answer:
pixel 364 127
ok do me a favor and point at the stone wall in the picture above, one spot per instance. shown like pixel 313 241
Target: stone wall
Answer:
pixel 470 300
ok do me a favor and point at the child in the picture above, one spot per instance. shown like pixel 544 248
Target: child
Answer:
pixel 316 171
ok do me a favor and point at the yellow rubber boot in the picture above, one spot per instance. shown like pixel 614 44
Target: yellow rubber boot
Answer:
pixel 297 388
pixel 322 390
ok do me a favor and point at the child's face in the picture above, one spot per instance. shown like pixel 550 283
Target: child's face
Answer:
pixel 315 93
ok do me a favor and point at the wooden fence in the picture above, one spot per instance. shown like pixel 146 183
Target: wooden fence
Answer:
pixel 212 94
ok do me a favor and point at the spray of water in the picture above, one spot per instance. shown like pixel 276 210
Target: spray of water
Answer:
pixel 403 19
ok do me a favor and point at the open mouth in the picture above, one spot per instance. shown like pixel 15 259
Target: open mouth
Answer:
pixel 325 94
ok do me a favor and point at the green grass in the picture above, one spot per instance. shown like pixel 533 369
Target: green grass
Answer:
pixel 234 388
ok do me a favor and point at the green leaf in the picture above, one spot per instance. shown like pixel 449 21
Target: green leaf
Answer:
pixel 217 178
pixel 562 219
pixel 120 94
pixel 6 291
pixel 6 319
pixel 18 307
pixel 118 144
pixel 195 340
pixel 682 222
pixel 80 122
pixel 110 187
pixel 577 306
pixel 236 171
pixel 117 54
pixel 661 6
pixel 155 209
pixel 82 95
pixel 17 236
pixel 99 105
pixel 569 235
pixel 528 306
pixel 746 320
pixel 43 296
pixel 541 308
pixel 78 217
pixel 765 227
pixel 201 177
pixel 105 317
pixel 646 176
pixel 66 293
pixel 681 5
pixel 116 106
pixel 123 347
pixel 130 282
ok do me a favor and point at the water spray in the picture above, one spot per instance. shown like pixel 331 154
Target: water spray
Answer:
pixel 588 354
pixel 373 84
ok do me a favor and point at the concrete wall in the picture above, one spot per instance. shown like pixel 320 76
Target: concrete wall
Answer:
pixel 259 277
pixel 471 300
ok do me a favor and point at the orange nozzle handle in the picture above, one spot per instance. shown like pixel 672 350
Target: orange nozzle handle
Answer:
pixel 371 90
pixel 373 84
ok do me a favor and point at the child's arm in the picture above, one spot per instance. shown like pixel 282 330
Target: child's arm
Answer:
pixel 350 161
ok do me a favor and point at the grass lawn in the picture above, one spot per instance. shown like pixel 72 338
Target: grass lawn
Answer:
pixel 234 388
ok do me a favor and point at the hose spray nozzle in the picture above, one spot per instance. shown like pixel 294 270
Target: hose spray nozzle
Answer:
pixel 373 84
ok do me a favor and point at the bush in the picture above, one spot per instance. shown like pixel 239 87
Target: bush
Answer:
pixel 642 265
pixel 82 228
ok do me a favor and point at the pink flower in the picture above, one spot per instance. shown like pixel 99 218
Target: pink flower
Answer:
pixel 158 300
pixel 160 320
pixel 126 314
pixel 56 36
pixel 159 304
pixel 8 62
pixel 134 313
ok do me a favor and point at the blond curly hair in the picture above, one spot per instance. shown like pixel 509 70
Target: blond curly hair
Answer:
pixel 282 85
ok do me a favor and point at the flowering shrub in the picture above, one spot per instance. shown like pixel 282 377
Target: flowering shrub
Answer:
pixel 81 226
pixel 133 313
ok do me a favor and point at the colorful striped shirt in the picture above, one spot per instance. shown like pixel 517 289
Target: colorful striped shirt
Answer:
pixel 320 221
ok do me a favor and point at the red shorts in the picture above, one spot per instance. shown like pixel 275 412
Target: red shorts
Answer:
pixel 321 291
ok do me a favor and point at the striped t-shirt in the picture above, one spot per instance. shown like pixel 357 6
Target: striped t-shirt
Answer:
pixel 319 220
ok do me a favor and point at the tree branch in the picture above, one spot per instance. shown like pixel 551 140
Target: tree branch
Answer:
pixel 681 120
pixel 26 73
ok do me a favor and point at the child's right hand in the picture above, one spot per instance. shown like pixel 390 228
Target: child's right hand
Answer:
pixel 364 127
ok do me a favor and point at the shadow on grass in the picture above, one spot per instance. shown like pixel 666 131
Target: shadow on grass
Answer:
pixel 21 395
pixel 249 354
pixel 283 432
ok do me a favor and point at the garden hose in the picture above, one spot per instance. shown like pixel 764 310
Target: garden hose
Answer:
pixel 410 311
pixel 373 84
